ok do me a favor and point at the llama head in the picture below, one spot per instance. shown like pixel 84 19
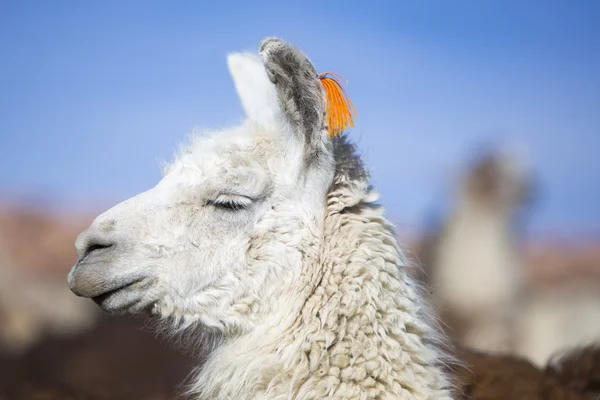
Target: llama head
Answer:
pixel 500 180
pixel 222 238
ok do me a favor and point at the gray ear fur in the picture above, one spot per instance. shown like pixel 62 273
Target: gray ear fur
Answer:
pixel 299 90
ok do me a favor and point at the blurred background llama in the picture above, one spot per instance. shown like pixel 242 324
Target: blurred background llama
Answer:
pixel 479 121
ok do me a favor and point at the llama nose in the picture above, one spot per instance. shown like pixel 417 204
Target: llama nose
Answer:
pixel 92 241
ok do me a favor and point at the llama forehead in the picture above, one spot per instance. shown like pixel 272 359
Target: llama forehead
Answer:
pixel 248 160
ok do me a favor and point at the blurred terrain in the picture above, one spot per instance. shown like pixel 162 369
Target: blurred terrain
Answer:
pixel 54 345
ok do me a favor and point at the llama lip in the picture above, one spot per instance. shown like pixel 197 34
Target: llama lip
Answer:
pixel 94 279
pixel 122 298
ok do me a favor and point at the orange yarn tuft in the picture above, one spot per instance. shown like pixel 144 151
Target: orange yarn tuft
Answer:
pixel 339 106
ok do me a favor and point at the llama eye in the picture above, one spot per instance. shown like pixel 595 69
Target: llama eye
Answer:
pixel 227 205
pixel 230 203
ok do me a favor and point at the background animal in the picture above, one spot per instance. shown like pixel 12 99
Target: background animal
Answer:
pixel 472 263
pixel 558 316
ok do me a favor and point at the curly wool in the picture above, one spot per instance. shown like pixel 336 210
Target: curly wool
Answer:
pixel 362 332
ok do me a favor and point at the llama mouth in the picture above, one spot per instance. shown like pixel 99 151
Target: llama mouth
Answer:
pixel 129 297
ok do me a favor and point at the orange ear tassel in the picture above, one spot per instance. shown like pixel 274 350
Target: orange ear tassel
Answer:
pixel 339 106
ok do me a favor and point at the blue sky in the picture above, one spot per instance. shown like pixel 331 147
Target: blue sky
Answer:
pixel 94 94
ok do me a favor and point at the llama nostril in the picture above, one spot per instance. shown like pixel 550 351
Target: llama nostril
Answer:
pixel 97 246
pixel 94 246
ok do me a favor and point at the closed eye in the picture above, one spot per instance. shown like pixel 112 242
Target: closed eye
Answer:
pixel 230 202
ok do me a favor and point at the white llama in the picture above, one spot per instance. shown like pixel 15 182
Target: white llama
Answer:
pixel 266 236
pixel 558 317
pixel 474 265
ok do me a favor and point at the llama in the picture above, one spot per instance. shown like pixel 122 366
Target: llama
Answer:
pixel 473 265
pixel 266 239
pixel 558 316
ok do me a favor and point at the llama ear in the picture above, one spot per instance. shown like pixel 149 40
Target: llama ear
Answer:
pixel 256 92
pixel 299 90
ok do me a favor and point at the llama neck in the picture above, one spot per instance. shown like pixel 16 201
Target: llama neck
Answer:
pixel 360 332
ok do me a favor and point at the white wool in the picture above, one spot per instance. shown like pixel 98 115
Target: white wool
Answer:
pixel 354 328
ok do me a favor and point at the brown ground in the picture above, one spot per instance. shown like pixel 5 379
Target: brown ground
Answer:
pixel 117 360
pixel 574 377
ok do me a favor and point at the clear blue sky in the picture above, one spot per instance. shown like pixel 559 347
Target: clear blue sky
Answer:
pixel 94 94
